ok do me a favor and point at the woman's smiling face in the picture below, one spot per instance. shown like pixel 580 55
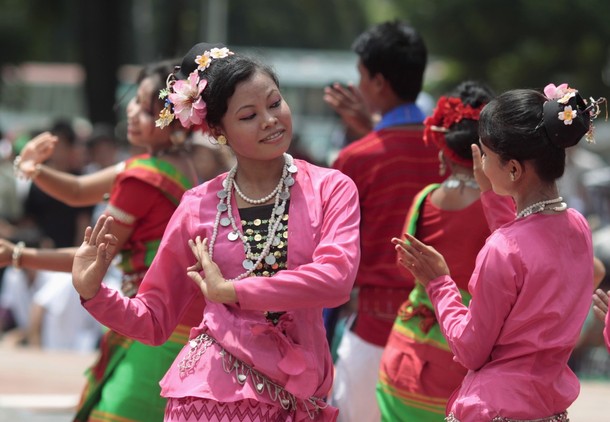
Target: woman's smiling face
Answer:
pixel 258 122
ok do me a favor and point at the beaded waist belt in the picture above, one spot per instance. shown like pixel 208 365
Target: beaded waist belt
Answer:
pixel 560 417
pixel 244 373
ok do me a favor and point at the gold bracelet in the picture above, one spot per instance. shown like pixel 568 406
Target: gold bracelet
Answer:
pixel 16 256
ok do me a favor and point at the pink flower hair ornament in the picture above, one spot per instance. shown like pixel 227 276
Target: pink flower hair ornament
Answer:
pixel 567 116
pixel 183 96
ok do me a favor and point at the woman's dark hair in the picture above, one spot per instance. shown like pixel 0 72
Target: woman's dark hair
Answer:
pixel 397 51
pixel 158 73
pixel 464 133
pixel 223 76
pixel 510 125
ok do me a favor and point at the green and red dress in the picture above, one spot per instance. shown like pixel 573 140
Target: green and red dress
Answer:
pixel 123 385
pixel 417 372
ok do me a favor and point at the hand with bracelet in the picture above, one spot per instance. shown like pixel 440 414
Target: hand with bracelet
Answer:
pixel 33 154
pixel 10 253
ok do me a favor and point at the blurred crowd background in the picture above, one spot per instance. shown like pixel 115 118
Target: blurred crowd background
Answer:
pixel 70 66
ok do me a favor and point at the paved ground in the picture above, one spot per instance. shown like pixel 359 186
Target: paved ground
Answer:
pixel 44 387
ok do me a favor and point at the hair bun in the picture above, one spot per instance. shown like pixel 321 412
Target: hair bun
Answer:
pixel 566 119
pixel 189 64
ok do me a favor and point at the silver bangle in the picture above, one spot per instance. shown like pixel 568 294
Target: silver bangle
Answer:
pixel 16 256
pixel 16 169
pixel 20 173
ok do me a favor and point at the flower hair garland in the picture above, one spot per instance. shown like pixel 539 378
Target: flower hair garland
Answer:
pixel 448 111
pixel 564 107
pixel 183 97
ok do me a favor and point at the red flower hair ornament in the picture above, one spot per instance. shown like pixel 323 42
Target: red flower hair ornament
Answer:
pixel 448 111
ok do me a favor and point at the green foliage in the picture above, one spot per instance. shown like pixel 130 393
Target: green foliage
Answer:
pixel 320 24
pixel 522 43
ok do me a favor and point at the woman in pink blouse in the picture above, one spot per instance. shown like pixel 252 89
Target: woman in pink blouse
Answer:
pixel 531 287
pixel 270 244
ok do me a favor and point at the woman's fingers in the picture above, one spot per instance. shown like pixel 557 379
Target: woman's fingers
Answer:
pixel 476 157
pixel 600 299
pixel 415 245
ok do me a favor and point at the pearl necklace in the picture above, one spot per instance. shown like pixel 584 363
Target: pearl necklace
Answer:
pixel 541 206
pixel 282 194
pixel 258 201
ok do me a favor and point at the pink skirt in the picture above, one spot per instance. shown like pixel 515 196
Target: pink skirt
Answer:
pixel 189 409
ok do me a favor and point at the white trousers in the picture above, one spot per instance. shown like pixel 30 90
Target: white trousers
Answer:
pixel 356 374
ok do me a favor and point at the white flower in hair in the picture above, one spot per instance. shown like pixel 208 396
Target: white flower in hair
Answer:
pixel 220 53
pixel 567 115
pixel 203 61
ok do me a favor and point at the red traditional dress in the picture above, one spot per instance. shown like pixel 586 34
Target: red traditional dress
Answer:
pixel 417 373
pixel 144 197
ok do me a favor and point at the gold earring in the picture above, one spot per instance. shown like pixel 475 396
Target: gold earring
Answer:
pixel 222 140
pixel 177 137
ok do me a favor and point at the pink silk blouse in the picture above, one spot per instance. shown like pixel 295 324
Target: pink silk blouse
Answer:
pixel 323 257
pixel 531 292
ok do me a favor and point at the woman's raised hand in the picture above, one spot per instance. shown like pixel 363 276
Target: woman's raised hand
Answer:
pixel 6 253
pixel 213 285
pixel 477 167
pixel 93 258
pixel 423 261
pixel 36 151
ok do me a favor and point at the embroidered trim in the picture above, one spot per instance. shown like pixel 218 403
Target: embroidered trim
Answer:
pixel 244 373
pixel 560 417
pixel 120 215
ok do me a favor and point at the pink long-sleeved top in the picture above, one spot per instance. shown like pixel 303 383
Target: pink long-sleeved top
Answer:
pixel 323 257
pixel 531 292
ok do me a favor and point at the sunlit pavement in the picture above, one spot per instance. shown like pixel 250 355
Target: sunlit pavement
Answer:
pixel 44 387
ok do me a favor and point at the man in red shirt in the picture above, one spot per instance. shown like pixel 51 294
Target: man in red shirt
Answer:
pixel 389 165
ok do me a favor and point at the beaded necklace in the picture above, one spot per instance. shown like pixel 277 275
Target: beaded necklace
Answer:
pixel 460 181
pixel 541 206
pixel 258 201
pixel 282 194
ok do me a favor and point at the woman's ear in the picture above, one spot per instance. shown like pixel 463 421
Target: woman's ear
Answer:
pixel 215 131
pixel 516 170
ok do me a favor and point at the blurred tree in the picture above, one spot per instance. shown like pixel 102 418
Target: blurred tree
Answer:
pixel 318 24
pixel 519 43
pixel 99 45
pixel 506 44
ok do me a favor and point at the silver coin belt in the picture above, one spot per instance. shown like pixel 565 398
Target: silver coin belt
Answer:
pixel 561 417
pixel 245 373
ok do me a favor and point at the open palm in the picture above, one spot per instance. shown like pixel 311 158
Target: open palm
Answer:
pixel 93 258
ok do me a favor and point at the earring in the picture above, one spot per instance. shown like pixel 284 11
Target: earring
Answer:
pixel 442 167
pixel 222 140
pixel 177 137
